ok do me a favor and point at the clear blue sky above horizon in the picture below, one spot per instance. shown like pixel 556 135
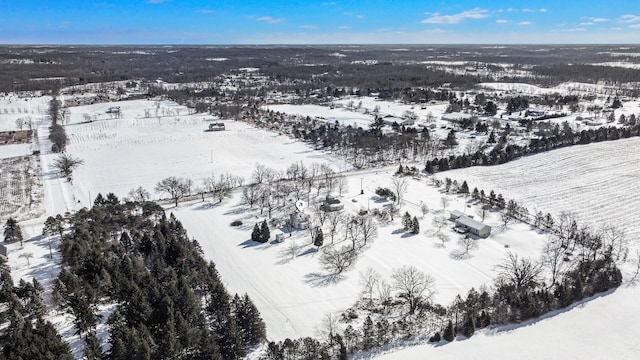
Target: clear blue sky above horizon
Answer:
pixel 318 22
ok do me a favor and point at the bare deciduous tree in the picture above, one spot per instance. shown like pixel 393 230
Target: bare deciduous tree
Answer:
pixel 328 328
pixel 369 279
pixel 66 164
pixel 384 293
pixel 444 238
pixel 439 222
pixel 27 256
pixel 369 229
pixel 445 203
pixel 400 185
pixel 518 272
pixel 466 243
pixel 333 221
pixel 177 188
pixel 250 194
pixel 414 285
pixel 553 259
pixel 336 260
pixel 139 194
pixel 424 208
pixel 342 184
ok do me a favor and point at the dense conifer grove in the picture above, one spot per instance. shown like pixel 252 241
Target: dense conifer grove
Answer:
pixel 166 301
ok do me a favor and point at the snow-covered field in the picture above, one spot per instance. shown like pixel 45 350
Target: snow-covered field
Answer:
pixel 122 154
pixel 597 182
pixel 13 107
pixel 604 327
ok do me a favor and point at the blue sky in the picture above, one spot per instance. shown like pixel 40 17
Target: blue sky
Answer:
pixel 318 22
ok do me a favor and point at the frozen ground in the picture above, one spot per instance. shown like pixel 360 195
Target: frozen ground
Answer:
pixel 604 327
pixel 294 293
pixel 122 154
pixel 594 181
pixel 13 107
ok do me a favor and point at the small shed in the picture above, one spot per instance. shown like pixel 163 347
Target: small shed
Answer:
pixel 3 250
pixel 279 236
pixel 473 226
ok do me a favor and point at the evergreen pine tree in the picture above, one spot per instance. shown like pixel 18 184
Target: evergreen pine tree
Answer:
pixel 12 231
pixel 415 226
pixel 342 350
pixel 406 221
pixel 368 334
pixel 449 334
pixel 469 327
pixel 265 235
pixel 464 188
pixel 318 239
pixel 255 234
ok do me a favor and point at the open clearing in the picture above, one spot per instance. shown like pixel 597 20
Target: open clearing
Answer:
pixel 122 154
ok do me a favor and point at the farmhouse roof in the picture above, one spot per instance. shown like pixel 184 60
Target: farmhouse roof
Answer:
pixel 470 223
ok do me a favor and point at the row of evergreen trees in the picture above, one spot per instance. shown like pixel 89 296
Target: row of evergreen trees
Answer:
pixel 503 152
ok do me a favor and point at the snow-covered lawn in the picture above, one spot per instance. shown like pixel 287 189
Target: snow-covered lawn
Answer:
pixel 294 293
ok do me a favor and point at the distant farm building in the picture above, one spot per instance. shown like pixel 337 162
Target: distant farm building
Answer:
pixel 13 137
pixel 456 117
pixel 114 110
pixel 390 120
pixel 475 227
pixel 217 126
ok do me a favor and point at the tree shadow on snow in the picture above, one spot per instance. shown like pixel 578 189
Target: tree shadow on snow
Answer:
pixel 207 206
pixel 308 251
pixel 408 234
pixel 459 254
pixel 322 280
pixel 250 243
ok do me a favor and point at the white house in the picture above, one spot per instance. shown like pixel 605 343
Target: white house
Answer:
pixel 299 220
pixel 473 226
